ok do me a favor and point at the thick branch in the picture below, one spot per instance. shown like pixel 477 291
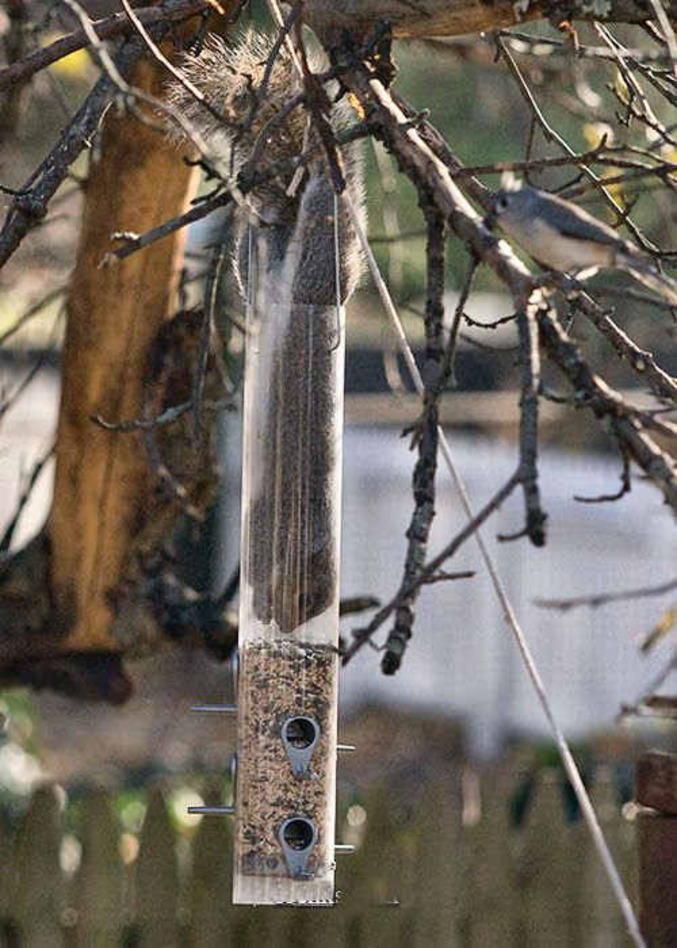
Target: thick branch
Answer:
pixel 418 18
pixel 114 25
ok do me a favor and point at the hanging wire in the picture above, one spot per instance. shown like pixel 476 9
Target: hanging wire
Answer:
pixel 337 271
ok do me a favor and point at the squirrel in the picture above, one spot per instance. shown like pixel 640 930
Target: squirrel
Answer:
pixel 286 234
pixel 246 84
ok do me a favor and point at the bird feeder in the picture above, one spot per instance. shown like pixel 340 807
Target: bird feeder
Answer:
pixel 289 593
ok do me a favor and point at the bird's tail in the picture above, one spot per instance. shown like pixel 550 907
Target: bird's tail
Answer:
pixel 653 279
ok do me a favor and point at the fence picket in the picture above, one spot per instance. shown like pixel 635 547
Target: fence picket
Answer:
pixel 38 892
pixel 549 869
pixel 602 925
pixel 490 914
pixel 211 883
pixel 98 882
pixel 157 891
pixel 375 891
pixel 440 860
pixel 6 871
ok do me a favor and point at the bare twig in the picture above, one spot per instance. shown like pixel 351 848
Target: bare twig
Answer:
pixel 537 44
pixel 167 417
pixel 11 399
pixel 494 324
pixel 30 313
pixel 425 469
pixel 602 155
pixel 117 24
pixel 160 57
pixel 132 94
pixel 513 624
pixel 625 488
pixel 208 334
pixel 643 363
pixel 31 207
pixel 362 636
pixel 644 112
pixel 134 243
pixel 101 54
pixel 602 599
pixel 668 31
pixel 531 378
pixel 447 372
pixel 553 136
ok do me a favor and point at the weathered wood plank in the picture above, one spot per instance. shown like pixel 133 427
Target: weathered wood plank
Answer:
pixel 419 878
pixel 6 876
pixel 656 781
pixel 377 892
pixel 600 920
pixel 549 869
pixel 157 879
pixel 99 880
pixel 438 868
pixel 657 841
pixel 39 890
pixel 657 844
pixel 211 911
pixel 114 315
pixel 491 910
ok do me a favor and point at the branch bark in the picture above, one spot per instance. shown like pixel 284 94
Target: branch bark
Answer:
pixel 423 18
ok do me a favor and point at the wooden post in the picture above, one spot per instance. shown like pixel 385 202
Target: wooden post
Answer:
pixel 656 792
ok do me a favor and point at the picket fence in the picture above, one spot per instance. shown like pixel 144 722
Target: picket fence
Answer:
pixel 450 870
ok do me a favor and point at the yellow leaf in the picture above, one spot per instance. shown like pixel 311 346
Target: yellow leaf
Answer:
pixel 664 625
pixel 73 66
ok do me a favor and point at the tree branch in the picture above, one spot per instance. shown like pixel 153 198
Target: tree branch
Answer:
pixel 426 437
pixel 455 17
pixel 172 11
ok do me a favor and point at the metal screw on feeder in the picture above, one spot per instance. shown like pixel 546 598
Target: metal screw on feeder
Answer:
pixel 217 810
pixel 216 708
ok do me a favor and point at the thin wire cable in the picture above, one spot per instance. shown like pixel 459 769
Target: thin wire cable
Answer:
pixel 570 765
pixel 337 271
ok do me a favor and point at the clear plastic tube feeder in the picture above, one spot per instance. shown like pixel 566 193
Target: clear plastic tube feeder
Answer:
pixel 289 593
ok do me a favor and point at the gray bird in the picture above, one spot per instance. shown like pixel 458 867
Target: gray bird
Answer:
pixel 561 236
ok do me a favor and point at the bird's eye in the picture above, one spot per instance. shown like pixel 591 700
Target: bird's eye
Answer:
pixel 501 202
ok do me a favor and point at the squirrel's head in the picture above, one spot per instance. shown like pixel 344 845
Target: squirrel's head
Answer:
pixel 249 86
pixel 246 86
